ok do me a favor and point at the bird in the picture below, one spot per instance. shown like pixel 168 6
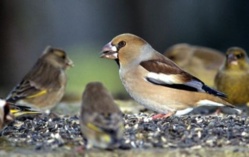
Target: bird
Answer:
pixel 202 62
pixel 101 120
pixel 44 85
pixel 155 81
pixel 233 76
pixel 5 115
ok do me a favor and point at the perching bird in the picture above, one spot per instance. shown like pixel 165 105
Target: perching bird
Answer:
pixel 155 81
pixel 202 62
pixel 100 118
pixel 233 76
pixel 44 85
pixel 5 115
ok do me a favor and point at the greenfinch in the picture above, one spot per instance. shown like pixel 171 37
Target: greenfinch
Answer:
pixel 233 76
pixel 201 62
pixel 101 120
pixel 44 85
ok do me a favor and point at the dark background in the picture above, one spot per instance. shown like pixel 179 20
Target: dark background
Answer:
pixel 82 27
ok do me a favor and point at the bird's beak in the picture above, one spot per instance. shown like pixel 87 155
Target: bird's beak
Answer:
pixel 231 58
pixel 109 51
pixel 70 63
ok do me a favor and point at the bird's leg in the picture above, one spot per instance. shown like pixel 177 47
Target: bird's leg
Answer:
pixel 161 115
pixel 218 111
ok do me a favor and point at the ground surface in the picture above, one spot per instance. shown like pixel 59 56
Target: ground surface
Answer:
pixel 191 135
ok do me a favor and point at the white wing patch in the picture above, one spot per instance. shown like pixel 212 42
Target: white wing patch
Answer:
pixel 183 112
pixel 208 103
pixel 163 78
pixel 195 84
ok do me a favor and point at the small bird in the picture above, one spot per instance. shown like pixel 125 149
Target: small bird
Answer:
pixel 233 76
pixel 199 61
pixel 155 81
pixel 44 85
pixel 5 115
pixel 101 120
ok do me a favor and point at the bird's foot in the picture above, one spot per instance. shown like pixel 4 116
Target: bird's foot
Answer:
pixel 161 115
pixel 217 112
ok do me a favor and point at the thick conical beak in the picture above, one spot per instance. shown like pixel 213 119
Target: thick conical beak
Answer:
pixel 109 51
pixel 232 59
pixel 70 63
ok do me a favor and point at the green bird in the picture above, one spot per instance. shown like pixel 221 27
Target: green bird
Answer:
pixel 233 76
pixel 44 85
pixel 101 120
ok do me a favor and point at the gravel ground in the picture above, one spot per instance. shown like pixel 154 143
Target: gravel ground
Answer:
pixel 45 132
pixel 187 131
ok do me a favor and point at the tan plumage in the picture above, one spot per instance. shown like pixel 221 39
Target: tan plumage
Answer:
pixel 155 81
pixel 199 61
pixel 5 115
pixel 233 76
pixel 44 85
pixel 100 118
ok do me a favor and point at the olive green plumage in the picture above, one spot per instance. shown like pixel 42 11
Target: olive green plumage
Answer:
pixel 44 85
pixel 101 120
pixel 233 77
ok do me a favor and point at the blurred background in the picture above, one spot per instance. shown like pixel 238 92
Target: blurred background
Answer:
pixel 82 27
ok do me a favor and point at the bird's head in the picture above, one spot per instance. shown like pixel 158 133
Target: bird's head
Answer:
pixel 57 58
pixel 236 59
pixel 127 49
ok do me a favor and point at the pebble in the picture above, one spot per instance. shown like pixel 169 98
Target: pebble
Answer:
pixel 141 131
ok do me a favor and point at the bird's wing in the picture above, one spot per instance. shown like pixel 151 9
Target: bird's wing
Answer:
pixel 105 123
pixel 166 73
pixel 20 110
pixel 25 90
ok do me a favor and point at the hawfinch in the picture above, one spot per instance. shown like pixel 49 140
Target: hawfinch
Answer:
pixel 155 81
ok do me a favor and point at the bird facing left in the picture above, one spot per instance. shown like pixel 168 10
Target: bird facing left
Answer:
pixel 44 85
pixel 155 81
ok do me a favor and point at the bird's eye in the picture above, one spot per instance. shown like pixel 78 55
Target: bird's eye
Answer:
pixel 60 54
pixel 239 56
pixel 171 57
pixel 63 57
pixel 121 44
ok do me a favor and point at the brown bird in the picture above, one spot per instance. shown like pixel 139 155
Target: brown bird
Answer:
pixel 155 81
pixel 201 62
pixel 101 120
pixel 5 115
pixel 44 85
pixel 233 76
